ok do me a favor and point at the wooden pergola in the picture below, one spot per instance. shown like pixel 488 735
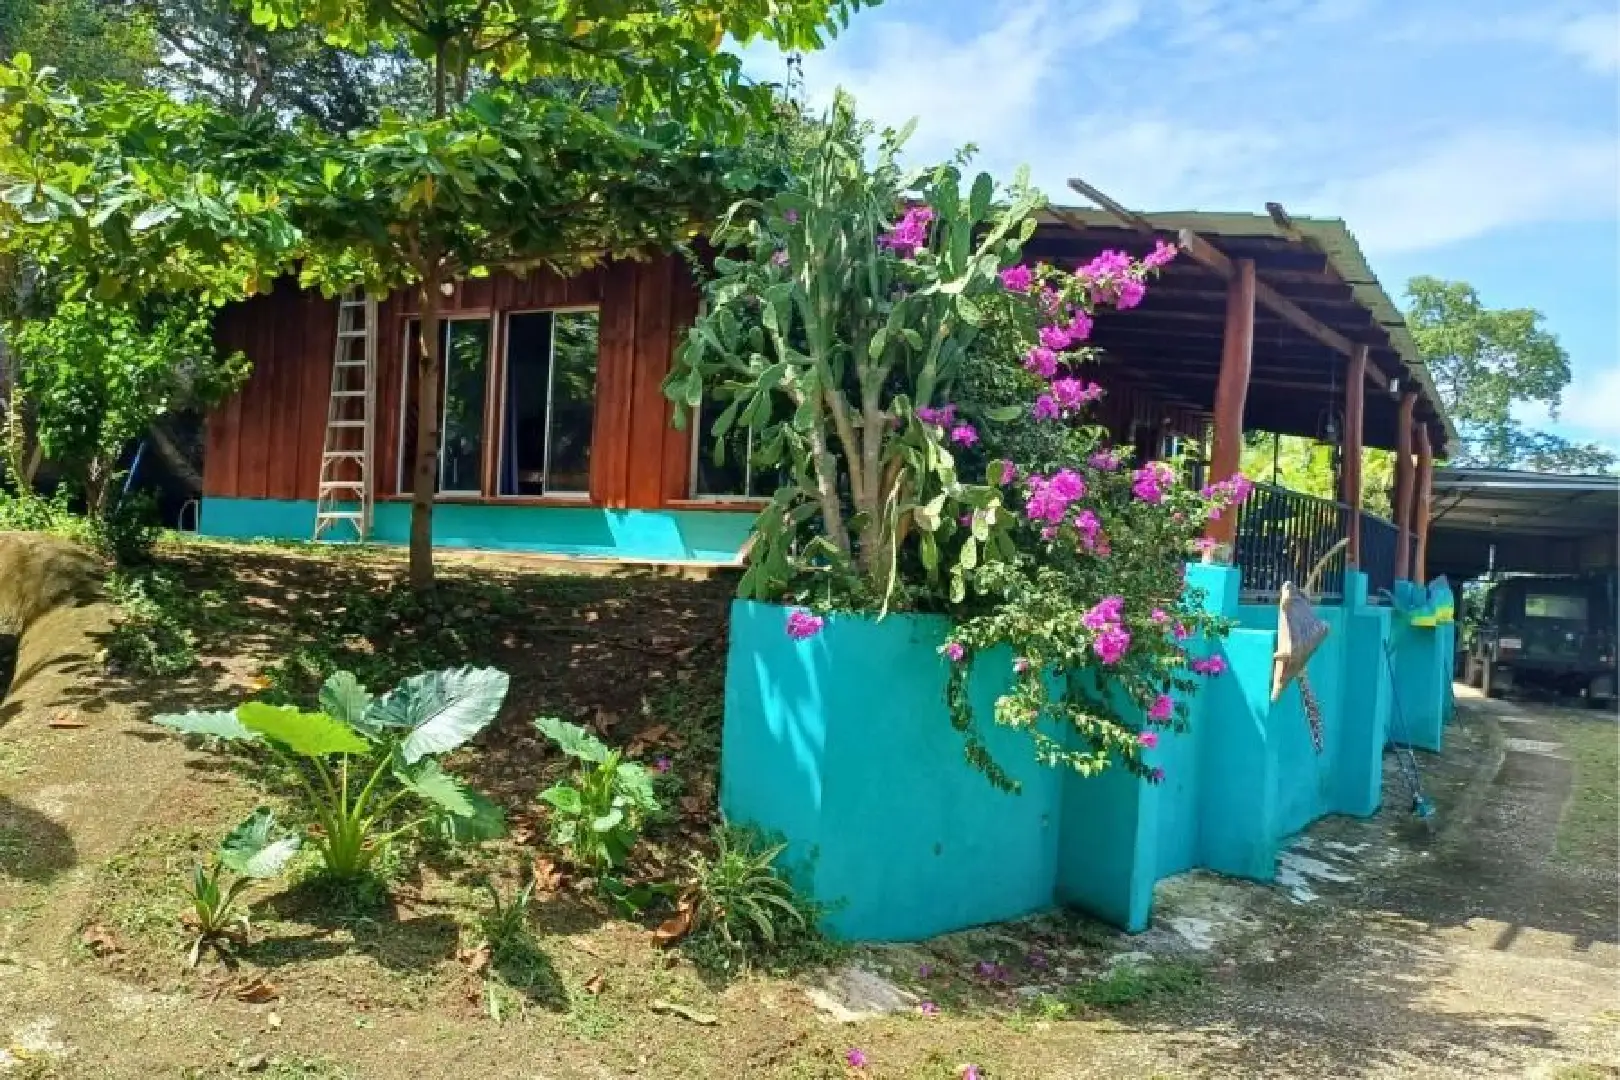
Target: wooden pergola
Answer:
pixel 1272 323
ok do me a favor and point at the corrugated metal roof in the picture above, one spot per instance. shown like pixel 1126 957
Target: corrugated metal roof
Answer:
pixel 1330 236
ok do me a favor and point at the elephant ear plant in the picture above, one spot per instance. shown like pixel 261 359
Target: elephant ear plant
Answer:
pixel 254 851
pixel 368 768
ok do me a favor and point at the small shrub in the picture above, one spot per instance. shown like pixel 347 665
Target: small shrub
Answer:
pixel 506 926
pixel 253 851
pixel 129 531
pixel 596 817
pixel 743 910
pixel 151 636
pixel 367 768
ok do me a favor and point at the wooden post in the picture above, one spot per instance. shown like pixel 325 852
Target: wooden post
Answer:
pixel 1237 355
pixel 1420 504
pixel 1350 472
pixel 1403 487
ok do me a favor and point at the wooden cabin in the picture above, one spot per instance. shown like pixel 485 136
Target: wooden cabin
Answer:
pixel 557 438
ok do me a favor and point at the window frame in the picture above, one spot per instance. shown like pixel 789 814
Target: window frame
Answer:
pixel 551 376
pixel 694 461
pixel 445 318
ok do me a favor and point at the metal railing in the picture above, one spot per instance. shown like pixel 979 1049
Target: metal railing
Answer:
pixel 1281 535
pixel 1379 539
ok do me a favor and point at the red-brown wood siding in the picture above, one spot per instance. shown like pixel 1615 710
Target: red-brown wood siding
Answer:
pixel 265 442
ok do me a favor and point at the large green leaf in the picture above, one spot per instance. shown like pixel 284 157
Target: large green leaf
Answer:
pixel 219 725
pixel 254 850
pixel 572 739
pixel 344 699
pixel 476 817
pixel 312 735
pixel 442 709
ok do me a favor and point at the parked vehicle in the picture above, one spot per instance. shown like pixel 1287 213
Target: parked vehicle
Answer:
pixel 1551 632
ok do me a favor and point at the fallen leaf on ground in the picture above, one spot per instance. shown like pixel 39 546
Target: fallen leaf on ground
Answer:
pixel 548 878
pixel 594 984
pixel 646 738
pixel 64 719
pixel 99 940
pixel 694 805
pixel 274 1021
pixel 257 991
pixel 677 925
pixel 477 960
pixel 685 1011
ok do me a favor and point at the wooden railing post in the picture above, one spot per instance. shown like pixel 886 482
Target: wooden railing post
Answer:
pixel 1350 472
pixel 1403 487
pixel 1420 504
pixel 1237 354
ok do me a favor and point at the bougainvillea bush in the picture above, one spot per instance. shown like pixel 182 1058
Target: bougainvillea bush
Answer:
pixel 921 391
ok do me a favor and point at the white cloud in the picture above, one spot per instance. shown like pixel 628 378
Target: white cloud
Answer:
pixel 1474 183
pixel 1593 39
pixel 1592 405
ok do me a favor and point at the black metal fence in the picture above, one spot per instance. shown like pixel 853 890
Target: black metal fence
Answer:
pixel 1378 544
pixel 1282 534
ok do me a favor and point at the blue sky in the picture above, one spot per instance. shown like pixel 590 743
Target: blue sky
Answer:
pixel 1468 139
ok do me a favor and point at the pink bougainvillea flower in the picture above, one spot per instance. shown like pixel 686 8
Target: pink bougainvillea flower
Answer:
pixel 1151 480
pixel 1104 612
pixel 1042 361
pixel 1111 643
pixel 908 238
pixel 1046 408
pixel 791 217
pixel 1049 532
pixel 855 1058
pixel 661 765
pixel 944 416
pixel 1104 461
pixel 802 624
pixel 1049 497
pixel 1157 776
pixel 1159 615
pixel 1206 544
pixel 1079 327
pixel 1009 472
pixel 1161 255
pixel 1109 264
pixel 966 521
pixel 1180 632
pixel 989 969
pixel 964 435
pixel 779 259
pixel 928 1008
pixel 1130 295
pixel 954 651
pixel 971 1072
pixel 1161 709
pixel 1213 665
pixel 925 971
pixel 1148 739
pixel 1017 278
pixel 1088 525
pixel 1055 338
pixel 1020 665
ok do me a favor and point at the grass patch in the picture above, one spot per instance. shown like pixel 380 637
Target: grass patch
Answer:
pixel 1136 984
pixel 1586 834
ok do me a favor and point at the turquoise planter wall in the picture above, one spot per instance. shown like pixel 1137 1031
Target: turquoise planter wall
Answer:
pixel 1423 661
pixel 842 744
pixel 658 535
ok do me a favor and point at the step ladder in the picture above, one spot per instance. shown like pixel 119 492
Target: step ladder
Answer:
pixel 344 498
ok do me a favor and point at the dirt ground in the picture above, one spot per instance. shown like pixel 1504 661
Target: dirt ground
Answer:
pixel 1482 944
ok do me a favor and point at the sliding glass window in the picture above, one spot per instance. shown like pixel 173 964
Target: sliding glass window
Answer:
pixel 463 382
pixel 550 402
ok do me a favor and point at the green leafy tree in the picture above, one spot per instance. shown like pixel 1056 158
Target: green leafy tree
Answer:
pixel 86 41
pixel 509 179
pixel 1306 465
pixel 1484 361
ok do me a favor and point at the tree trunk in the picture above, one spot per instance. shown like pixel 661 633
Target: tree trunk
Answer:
pixel 425 469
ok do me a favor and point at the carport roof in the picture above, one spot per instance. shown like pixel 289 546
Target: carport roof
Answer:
pixel 1507 501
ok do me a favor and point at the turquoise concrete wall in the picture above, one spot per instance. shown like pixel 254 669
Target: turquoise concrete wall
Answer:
pixel 842 743
pixel 890 825
pixel 667 535
pixel 1422 673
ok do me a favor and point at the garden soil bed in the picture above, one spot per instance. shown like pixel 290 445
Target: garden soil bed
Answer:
pixel 1234 980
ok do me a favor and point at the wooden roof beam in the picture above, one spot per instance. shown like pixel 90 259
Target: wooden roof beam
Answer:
pixel 1212 257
